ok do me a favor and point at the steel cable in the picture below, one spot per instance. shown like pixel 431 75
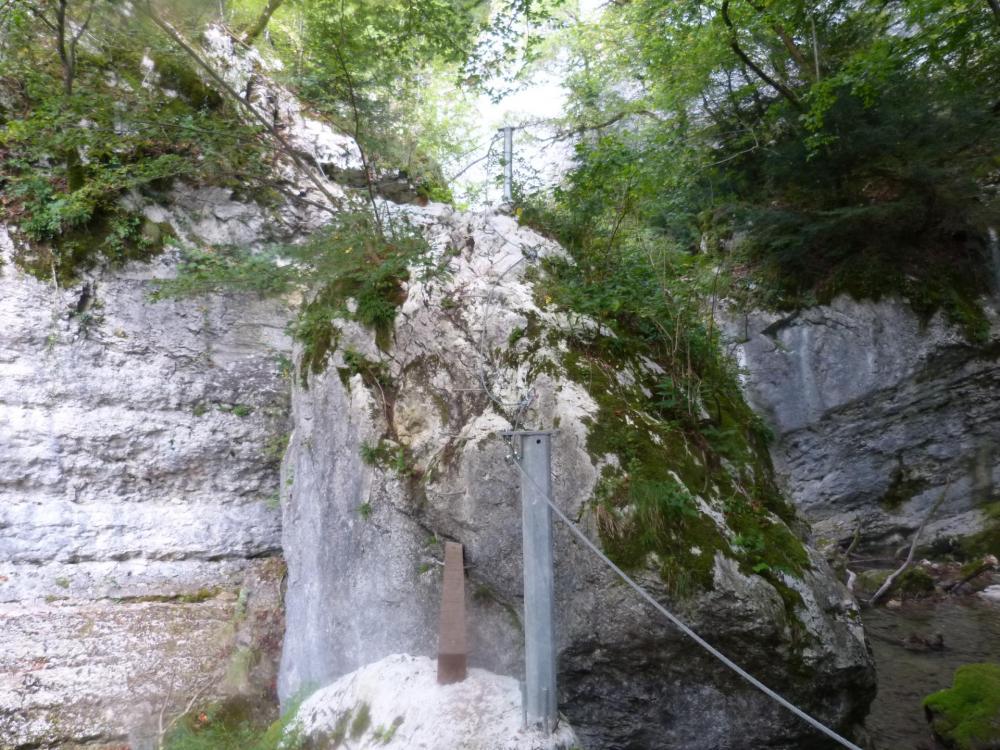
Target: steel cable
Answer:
pixel 678 623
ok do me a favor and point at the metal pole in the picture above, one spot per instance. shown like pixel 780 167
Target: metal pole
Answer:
pixel 534 453
pixel 508 164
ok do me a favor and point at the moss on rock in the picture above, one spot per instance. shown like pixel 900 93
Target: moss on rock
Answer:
pixel 966 716
pixel 916 582
pixel 685 473
pixel 987 541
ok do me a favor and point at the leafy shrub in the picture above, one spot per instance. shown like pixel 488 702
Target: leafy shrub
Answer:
pixel 352 269
pixel 237 723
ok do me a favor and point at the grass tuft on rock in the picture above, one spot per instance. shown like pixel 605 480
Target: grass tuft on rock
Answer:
pixel 351 270
pixel 237 723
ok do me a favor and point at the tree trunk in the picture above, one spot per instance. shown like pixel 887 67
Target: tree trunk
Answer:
pixel 995 5
pixel 261 23
pixel 758 71
pixel 74 166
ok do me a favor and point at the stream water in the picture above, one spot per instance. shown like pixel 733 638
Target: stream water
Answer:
pixel 971 630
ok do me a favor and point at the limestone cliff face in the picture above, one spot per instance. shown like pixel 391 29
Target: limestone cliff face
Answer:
pixel 139 530
pixel 362 533
pixel 876 415
pixel 139 559
pixel 140 442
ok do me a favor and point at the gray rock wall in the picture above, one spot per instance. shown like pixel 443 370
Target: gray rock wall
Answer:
pixel 362 541
pixel 876 416
pixel 140 559
pixel 139 528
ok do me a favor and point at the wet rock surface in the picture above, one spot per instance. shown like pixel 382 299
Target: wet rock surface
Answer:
pixel 876 415
pixel 971 633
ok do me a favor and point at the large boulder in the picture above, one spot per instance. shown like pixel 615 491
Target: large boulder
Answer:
pixel 395 451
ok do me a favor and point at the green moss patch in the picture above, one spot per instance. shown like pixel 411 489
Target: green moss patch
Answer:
pixel 178 74
pixel 374 375
pixel 686 471
pixel 903 486
pixel 987 541
pixel 966 716
pixel 191 597
pixel 916 582
pixel 648 509
pixel 361 722
pixel 66 241
pixel 351 725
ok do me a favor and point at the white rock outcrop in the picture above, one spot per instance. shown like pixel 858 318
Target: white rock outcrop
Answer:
pixel 397 704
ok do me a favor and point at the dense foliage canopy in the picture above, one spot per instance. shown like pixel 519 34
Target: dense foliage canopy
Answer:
pixel 843 146
pixel 839 146
pixel 100 98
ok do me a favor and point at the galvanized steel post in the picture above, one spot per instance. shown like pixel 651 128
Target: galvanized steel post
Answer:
pixel 534 454
pixel 508 164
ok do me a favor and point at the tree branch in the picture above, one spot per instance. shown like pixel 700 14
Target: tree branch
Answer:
pixel 352 98
pixel 84 25
pixel 987 563
pixel 75 38
pixel 735 46
pixel 42 17
pixel 885 587
pixel 471 164
pixel 262 20
pixel 995 5
pixel 60 29
pixel 786 40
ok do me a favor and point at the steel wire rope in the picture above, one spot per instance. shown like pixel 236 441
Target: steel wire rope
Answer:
pixel 815 723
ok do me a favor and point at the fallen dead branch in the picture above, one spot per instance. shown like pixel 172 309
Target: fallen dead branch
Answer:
pixel 887 586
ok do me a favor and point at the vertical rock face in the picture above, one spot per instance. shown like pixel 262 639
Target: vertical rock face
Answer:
pixel 877 416
pixel 139 530
pixel 140 445
pixel 395 452
pixel 139 556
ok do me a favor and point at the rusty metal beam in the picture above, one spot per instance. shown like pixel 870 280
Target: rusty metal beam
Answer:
pixel 452 642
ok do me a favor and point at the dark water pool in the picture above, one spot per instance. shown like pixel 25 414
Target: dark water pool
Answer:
pixel 971 631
